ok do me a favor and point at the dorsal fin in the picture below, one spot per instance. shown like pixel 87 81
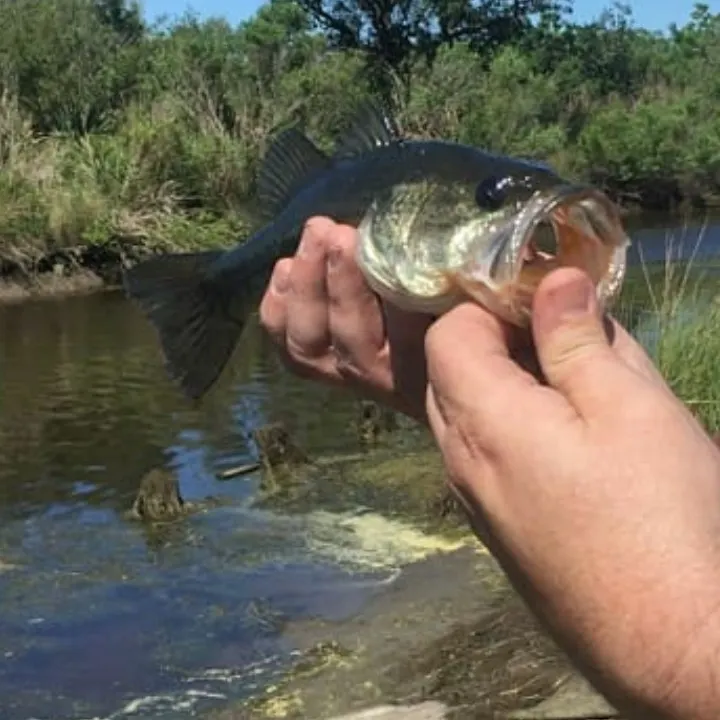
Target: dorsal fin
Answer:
pixel 372 127
pixel 289 163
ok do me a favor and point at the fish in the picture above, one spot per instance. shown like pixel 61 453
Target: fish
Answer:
pixel 438 222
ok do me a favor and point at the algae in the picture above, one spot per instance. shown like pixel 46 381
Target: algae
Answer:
pixel 408 485
pixel 449 630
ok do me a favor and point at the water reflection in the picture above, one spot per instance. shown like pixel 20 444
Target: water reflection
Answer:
pixel 87 407
pixel 98 611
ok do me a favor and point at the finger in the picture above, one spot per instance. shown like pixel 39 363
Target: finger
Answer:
pixel 573 346
pixel 406 339
pixel 435 416
pixel 466 472
pixel 356 322
pixel 473 377
pixel 308 330
pixel 273 307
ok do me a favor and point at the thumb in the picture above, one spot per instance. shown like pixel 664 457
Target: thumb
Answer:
pixel 572 343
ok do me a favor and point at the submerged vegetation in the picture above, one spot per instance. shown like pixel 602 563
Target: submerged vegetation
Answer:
pixel 123 137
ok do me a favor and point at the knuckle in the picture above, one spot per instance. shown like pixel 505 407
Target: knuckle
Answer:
pixel 341 257
pixel 344 241
pixel 316 369
pixel 361 374
pixel 349 370
pixel 577 353
pixel 317 229
pixel 266 318
pixel 296 361
pixel 306 351
pixel 283 267
pixel 281 276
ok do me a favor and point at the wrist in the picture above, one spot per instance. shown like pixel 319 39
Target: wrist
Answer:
pixel 693 685
pixel 656 656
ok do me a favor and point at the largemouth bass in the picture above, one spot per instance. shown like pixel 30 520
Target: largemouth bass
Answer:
pixel 439 222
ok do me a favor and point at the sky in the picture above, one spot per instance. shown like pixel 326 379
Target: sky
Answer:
pixel 651 14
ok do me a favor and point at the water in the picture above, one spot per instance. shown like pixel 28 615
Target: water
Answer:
pixel 654 240
pixel 100 618
pixel 96 612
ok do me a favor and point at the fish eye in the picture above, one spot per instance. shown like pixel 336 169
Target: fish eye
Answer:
pixel 493 192
pixel 490 194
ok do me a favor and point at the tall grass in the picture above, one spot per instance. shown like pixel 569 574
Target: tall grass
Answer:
pixel 154 183
pixel 679 324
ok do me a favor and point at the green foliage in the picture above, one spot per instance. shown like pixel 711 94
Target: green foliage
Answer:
pixel 111 130
pixel 68 65
pixel 687 357
pixel 673 309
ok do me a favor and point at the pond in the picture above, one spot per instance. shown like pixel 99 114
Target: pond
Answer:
pixel 102 618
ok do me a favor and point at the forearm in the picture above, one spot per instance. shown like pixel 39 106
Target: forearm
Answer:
pixel 654 655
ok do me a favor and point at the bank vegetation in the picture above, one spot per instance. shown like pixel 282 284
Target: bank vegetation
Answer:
pixel 118 137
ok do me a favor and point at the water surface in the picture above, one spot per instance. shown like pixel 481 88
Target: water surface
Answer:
pixel 101 618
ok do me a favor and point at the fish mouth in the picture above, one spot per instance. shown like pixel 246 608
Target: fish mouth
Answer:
pixel 571 226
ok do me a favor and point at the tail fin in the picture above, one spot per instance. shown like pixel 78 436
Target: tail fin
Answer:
pixel 190 315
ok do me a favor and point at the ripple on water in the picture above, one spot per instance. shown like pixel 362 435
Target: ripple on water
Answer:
pixel 102 620
pixel 105 618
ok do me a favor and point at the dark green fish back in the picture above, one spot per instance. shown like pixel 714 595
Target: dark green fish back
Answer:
pixel 199 303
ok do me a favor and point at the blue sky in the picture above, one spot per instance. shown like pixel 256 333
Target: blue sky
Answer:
pixel 652 14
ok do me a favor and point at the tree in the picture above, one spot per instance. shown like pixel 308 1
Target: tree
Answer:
pixel 394 32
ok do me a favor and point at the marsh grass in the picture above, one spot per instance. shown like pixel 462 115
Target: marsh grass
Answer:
pixel 676 316
pixel 153 183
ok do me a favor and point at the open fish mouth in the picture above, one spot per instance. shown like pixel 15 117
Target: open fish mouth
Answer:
pixel 571 226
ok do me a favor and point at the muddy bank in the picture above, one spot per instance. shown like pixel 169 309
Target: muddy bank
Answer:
pixel 449 630
pixel 81 268
pixel 67 271
pixel 50 286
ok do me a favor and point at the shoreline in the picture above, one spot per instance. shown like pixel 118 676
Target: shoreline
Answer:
pixel 50 286
pixel 449 631
pixel 69 271
pixel 87 269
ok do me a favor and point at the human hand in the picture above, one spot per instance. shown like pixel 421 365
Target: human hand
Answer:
pixel 597 491
pixel 329 326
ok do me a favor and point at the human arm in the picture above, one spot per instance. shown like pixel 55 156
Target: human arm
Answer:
pixel 597 491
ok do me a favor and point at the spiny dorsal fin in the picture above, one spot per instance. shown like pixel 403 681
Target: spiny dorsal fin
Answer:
pixel 289 163
pixel 372 127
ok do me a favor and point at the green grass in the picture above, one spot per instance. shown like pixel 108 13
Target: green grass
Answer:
pixel 689 358
pixel 673 309
pixel 154 183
